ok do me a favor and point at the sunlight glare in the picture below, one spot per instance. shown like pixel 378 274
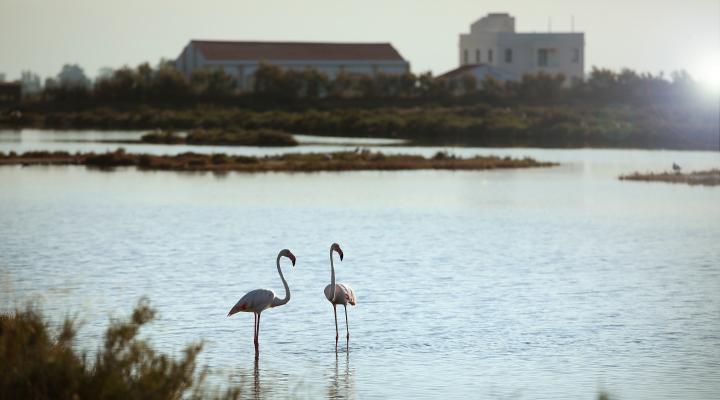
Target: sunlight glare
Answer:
pixel 708 73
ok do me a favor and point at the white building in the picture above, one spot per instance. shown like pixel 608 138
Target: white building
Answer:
pixel 493 41
pixel 241 59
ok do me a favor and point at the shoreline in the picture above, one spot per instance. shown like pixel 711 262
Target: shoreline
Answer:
pixel 323 140
pixel 482 125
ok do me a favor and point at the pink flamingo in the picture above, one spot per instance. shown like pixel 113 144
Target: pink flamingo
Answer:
pixel 259 300
pixel 340 293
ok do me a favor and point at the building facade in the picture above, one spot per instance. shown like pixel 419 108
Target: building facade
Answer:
pixel 241 59
pixel 493 41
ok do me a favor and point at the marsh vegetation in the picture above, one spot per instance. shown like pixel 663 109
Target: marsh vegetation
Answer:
pixel 293 162
pixel 706 178
pixel 221 137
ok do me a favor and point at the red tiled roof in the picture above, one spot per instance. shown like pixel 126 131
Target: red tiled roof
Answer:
pixel 460 70
pixel 221 50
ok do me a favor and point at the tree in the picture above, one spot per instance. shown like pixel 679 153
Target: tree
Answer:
pixel 168 84
pixel 104 73
pixel 316 84
pixel 342 86
pixel 120 86
pixel 468 83
pixel 30 82
pixel 540 87
pixel 272 82
pixel 72 75
pixel 50 83
pixel 433 88
pixel 601 85
pixel 492 89
pixel 212 83
pixel 408 84
pixel 370 87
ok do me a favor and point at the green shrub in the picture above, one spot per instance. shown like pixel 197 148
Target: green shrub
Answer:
pixel 37 363
pixel 218 159
pixel 260 137
pixel 165 137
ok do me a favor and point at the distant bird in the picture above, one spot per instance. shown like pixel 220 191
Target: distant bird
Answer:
pixel 340 293
pixel 676 168
pixel 259 300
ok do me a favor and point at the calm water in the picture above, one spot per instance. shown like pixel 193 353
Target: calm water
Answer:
pixel 548 283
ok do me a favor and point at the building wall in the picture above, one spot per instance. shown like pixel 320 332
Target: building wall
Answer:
pixel 565 51
pixel 243 70
pixel 478 49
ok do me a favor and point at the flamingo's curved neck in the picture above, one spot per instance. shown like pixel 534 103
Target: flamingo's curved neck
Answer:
pixel 332 274
pixel 287 288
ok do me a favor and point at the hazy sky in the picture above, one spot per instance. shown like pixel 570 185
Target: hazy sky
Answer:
pixel 646 35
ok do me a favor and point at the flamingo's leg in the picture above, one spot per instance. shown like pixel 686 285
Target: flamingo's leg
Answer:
pixel 346 324
pixel 255 332
pixel 336 326
pixel 257 337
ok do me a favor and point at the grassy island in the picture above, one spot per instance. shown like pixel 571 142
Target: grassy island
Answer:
pixel 706 178
pixel 259 137
pixel 296 162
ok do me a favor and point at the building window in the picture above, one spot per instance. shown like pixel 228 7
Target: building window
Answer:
pixel 477 56
pixel 465 57
pixel 490 56
pixel 542 57
pixel 508 56
pixel 576 55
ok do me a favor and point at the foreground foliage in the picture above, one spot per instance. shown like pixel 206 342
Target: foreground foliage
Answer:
pixel 39 363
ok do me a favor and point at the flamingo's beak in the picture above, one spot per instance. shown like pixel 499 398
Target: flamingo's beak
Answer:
pixel 233 310
pixel 291 256
pixel 341 254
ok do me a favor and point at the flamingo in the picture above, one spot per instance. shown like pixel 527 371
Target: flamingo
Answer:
pixel 259 300
pixel 339 293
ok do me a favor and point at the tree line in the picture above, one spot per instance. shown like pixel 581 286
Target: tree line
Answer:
pixel 274 86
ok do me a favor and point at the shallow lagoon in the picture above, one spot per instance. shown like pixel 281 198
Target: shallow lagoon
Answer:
pixel 543 283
